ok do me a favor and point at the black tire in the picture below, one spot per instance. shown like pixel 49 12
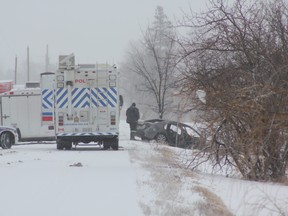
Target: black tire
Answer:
pixel 115 144
pixel 161 138
pixel 68 145
pixel 106 144
pixel 60 144
pixel 7 140
pixel 19 134
pixel 144 138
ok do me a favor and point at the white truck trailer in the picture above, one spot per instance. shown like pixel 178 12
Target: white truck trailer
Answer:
pixel 21 108
pixel 86 104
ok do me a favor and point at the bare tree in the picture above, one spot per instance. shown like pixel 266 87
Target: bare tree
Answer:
pixel 237 54
pixel 153 60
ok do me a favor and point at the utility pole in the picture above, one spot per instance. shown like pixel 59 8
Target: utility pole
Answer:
pixel 15 78
pixel 28 65
pixel 47 60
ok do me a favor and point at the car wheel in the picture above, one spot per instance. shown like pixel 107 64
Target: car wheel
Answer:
pixel 161 138
pixel 7 140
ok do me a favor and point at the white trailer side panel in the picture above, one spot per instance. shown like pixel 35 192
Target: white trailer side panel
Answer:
pixel 24 112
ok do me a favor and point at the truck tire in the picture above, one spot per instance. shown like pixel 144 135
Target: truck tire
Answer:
pixel 19 134
pixel 60 144
pixel 68 145
pixel 115 144
pixel 106 145
pixel 7 140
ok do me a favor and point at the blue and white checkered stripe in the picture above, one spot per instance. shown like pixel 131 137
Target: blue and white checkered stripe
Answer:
pixel 47 99
pixel 103 97
pixel 112 96
pixel 62 98
pixel 89 134
pixel 100 97
pixel 80 97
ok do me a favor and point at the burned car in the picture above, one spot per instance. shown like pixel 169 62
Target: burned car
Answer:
pixel 8 137
pixel 171 132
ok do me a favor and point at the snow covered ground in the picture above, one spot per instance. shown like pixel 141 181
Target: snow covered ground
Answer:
pixel 140 179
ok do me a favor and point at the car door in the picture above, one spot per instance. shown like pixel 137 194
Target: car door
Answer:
pixel 173 133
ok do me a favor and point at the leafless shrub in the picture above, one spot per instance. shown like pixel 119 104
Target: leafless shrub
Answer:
pixel 237 54
pixel 265 203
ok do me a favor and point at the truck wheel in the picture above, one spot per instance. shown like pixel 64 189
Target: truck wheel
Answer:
pixel 19 134
pixel 115 144
pixel 6 140
pixel 60 144
pixel 106 145
pixel 68 145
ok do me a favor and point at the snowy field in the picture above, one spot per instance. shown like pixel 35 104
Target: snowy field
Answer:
pixel 140 179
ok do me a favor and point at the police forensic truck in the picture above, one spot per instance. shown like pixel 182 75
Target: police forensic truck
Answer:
pixel 85 101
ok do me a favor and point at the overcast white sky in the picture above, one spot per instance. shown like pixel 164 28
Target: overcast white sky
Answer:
pixel 94 30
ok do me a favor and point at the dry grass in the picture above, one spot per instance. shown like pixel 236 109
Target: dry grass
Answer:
pixel 213 205
pixel 167 181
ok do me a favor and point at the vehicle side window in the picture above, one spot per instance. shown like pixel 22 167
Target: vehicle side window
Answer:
pixel 191 132
pixel 176 129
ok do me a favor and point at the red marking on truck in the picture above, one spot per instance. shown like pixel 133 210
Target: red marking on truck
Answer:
pixel 47 118
pixel 5 86
pixel 80 81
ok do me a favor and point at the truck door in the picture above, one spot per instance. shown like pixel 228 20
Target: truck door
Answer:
pixel 6 111
pixel 102 111
pixel 47 99
pixel 11 115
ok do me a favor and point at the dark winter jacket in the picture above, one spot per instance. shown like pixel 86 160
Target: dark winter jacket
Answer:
pixel 132 114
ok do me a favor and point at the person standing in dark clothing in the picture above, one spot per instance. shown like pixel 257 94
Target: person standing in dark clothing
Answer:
pixel 133 116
